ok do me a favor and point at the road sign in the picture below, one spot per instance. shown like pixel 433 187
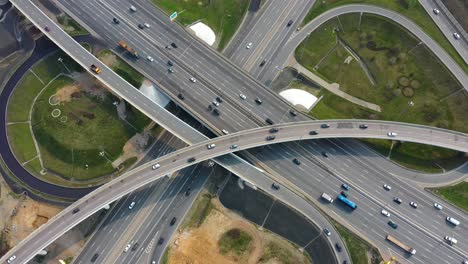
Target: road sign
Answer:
pixel 173 16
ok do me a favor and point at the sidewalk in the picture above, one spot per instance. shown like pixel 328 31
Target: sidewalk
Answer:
pixel 334 87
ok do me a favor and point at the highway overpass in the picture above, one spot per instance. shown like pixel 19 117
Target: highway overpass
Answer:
pixel 199 152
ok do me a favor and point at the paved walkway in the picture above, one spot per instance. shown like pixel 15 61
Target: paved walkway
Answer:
pixel 333 87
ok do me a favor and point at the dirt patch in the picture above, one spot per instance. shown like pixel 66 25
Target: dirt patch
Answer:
pixel 40 220
pixel 109 59
pixel 66 93
pixel 192 245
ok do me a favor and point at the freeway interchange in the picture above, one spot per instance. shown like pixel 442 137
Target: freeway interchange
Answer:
pixel 221 78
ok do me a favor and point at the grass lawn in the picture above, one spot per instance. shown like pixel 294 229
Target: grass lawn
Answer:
pixel 223 17
pixel 234 241
pixel 71 26
pixel 411 85
pixel 122 68
pixel 50 66
pixel 21 141
pixel 456 194
pixel 34 166
pixel 275 251
pixel 22 97
pixel 358 248
pixel 415 13
pixel 87 125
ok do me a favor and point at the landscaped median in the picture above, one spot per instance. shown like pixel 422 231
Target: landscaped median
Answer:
pixel 81 133
pixel 376 60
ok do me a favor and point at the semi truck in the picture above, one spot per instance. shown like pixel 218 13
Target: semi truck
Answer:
pixel 95 69
pixel 124 46
pixel 400 244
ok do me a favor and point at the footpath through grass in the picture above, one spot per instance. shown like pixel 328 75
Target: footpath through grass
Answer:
pixel 410 84
pixel 456 194
pixel 415 13
pixel 223 17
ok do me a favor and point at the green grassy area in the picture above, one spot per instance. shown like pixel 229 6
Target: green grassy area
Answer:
pixel 87 125
pixel 136 118
pixel 411 85
pixel 234 241
pixel 21 142
pixel 22 97
pixel 200 210
pixel 50 66
pixel 71 26
pixel 128 163
pixel 274 251
pixel 223 17
pixel 456 194
pixel 358 248
pixel 415 12
pixel 165 258
pixel 122 68
pixel 34 166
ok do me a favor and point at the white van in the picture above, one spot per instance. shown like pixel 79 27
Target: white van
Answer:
pixel 452 241
pixel 327 197
pixel 133 8
pixel 453 221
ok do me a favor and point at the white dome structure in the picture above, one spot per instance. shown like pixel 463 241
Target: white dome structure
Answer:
pixel 299 97
pixel 204 32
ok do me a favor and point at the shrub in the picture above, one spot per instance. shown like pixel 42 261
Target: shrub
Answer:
pixel 408 92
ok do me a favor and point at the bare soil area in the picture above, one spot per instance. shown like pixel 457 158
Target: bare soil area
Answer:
pixel 192 245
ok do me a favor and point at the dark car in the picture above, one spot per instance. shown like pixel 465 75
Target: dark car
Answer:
pixel 296 161
pixel 290 23
pixel 187 192
pixel 392 224
pixel 219 99
pixel 174 45
pixel 324 125
pixel 262 63
pixel 94 257
pixel 115 20
pixel 324 154
pixel 76 210
pixel 173 221
pixel 293 112
pixel 345 186
pixel 47 29
pixel 170 63
pixel 258 101
pixel 275 186
pixel 160 241
pixel 270 137
pixel 397 200
pixel 192 159
pixel 363 126
pixel 141 26
pixel 344 193
pixel 210 107
pixel 269 121
pixel 313 133
pixel 135 246
pixel 216 112
pixel 274 130
pixel 338 247
pixel 181 96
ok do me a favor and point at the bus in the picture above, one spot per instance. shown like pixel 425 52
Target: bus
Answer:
pixel 347 202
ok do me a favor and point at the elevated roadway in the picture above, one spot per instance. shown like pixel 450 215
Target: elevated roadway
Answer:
pixel 433 46
pixel 199 152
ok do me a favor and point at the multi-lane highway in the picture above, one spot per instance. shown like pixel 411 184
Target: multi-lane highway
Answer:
pixel 175 161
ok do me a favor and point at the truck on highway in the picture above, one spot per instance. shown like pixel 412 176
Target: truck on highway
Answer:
pixel 95 69
pixel 400 244
pixel 124 46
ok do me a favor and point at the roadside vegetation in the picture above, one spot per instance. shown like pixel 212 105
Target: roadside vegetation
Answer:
pixel 235 241
pixel 223 17
pixel 199 211
pixel 403 78
pixel 408 8
pixel 121 68
pixel 70 26
pixel 455 194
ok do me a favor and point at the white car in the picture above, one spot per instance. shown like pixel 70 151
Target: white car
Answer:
pixel 387 187
pixel 456 35
pixel 131 205
pixel 242 96
pixel 385 212
pixel 249 45
pixel 215 103
pixel 156 166
pixel 450 240
pixel 225 132
pixel 392 134
pixel 10 260
pixel 193 80
pixel 436 11
pixel 127 248
pixel 210 146
pixel 438 206
pixel 146 25
pixel 150 58
pixel 413 204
